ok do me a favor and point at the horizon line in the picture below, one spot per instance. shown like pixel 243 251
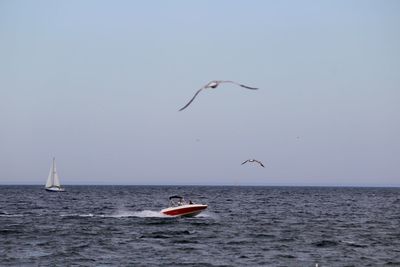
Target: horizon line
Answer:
pixel 216 185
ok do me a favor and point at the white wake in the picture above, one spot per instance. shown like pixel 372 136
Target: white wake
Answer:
pixel 139 214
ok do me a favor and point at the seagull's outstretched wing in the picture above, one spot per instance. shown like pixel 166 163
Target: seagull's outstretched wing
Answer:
pixel 244 162
pixel 191 100
pixel 242 85
pixel 262 165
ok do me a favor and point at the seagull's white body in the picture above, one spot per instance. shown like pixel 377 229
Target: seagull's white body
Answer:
pixel 213 85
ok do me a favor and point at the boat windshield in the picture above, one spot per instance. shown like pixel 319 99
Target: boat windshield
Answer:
pixel 175 201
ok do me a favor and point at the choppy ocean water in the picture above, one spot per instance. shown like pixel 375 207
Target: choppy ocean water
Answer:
pixel 244 226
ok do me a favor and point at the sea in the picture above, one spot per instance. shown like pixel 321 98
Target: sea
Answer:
pixel 243 226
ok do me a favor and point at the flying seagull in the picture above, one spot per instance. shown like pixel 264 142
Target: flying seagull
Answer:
pixel 213 85
pixel 254 160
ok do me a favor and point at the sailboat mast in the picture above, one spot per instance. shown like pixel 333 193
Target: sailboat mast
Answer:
pixel 52 172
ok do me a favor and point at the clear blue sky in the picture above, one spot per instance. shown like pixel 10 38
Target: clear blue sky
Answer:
pixel 98 84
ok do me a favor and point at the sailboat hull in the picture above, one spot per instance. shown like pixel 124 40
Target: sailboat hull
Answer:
pixel 55 189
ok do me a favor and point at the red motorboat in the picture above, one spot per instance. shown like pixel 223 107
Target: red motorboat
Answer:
pixel 179 207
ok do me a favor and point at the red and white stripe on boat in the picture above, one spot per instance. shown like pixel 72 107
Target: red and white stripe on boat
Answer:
pixel 184 210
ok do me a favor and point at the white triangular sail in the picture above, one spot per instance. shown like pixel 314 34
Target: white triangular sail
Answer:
pixel 49 182
pixel 53 180
pixel 56 178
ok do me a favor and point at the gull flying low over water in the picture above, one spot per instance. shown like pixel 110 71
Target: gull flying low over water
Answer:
pixel 213 85
pixel 254 160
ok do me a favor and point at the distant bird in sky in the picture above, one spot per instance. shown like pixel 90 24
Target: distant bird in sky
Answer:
pixel 213 85
pixel 254 160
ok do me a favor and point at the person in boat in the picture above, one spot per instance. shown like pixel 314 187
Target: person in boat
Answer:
pixel 181 201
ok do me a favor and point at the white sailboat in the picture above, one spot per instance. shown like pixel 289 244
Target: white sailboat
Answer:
pixel 53 181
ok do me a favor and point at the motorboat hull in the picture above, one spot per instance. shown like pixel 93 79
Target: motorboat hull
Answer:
pixel 55 189
pixel 188 210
